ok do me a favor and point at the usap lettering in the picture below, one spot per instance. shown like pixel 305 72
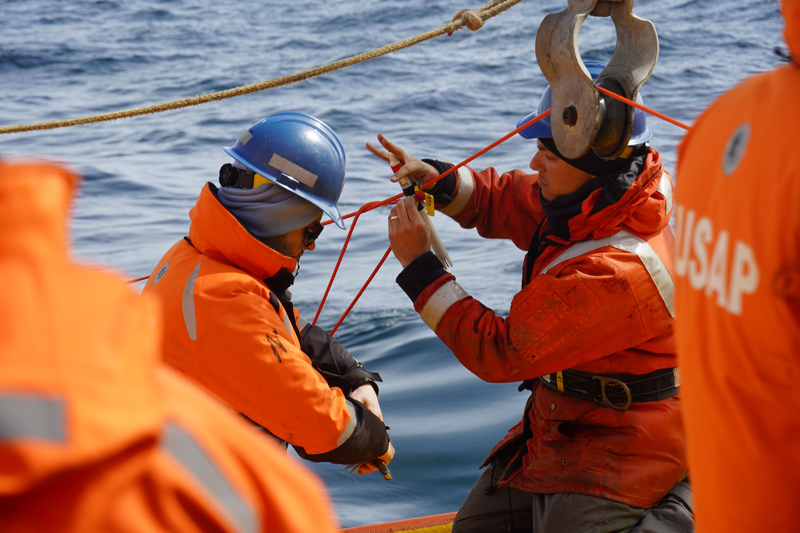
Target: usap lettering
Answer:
pixel 725 270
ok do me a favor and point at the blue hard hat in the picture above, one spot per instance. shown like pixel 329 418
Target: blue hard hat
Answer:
pixel 640 133
pixel 299 153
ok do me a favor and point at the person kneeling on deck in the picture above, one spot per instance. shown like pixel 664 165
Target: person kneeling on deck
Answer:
pixel 589 333
pixel 229 321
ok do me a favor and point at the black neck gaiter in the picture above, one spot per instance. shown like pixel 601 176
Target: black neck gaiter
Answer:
pixel 559 211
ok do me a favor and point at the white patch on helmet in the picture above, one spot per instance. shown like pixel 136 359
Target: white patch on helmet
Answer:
pixel 293 170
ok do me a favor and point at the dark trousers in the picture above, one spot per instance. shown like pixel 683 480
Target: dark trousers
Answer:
pixel 501 509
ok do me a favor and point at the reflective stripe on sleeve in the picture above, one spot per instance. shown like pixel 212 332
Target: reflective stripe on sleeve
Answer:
pixel 278 306
pixel 301 322
pixel 187 303
pixel 351 425
pixel 186 451
pixel 633 244
pixel 665 188
pixel 438 304
pixel 31 417
pixel 466 186
pixel 287 324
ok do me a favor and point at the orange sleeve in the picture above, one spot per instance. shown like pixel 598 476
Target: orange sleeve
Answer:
pixel 590 310
pixel 247 358
pixel 256 486
pixel 488 200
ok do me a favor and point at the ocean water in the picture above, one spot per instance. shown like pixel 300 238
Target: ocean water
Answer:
pixel 446 98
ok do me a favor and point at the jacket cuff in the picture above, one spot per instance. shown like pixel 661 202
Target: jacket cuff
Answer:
pixel 368 441
pixel 422 271
pixel 444 189
pixel 358 376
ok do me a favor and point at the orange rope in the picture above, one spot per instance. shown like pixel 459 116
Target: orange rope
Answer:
pixel 380 264
pixel 453 169
pixel 374 205
pixel 364 208
pixel 643 108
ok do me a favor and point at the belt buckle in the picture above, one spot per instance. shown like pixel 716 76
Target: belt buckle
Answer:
pixel 604 381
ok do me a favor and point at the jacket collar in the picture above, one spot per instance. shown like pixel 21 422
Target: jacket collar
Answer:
pixel 635 199
pixel 215 232
pixel 610 203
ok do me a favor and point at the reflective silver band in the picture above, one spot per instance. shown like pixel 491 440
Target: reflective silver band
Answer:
pixel 466 186
pixel 287 324
pixel 629 243
pixel 186 451
pixel 187 303
pixel 293 170
pixel 31 417
pixel 441 300
pixel 301 322
pixel 351 425
pixel 665 188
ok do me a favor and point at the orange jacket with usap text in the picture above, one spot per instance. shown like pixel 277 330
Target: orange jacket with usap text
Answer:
pixel 96 433
pixel 596 303
pixel 231 328
pixel 737 297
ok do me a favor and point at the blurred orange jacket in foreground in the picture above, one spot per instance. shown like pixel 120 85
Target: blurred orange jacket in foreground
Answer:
pixel 95 434
pixel 738 300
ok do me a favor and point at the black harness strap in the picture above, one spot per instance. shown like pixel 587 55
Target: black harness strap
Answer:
pixel 534 250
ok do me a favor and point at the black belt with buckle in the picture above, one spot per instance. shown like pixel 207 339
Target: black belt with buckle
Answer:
pixel 616 391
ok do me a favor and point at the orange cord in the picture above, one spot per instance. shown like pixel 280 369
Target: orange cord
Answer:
pixel 374 205
pixel 643 108
pixel 347 311
pixel 363 209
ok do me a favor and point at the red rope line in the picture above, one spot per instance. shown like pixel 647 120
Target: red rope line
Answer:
pixel 380 264
pixel 363 209
pixel 374 205
pixel 370 207
pixel 643 108
pixel 464 162
pixel 453 169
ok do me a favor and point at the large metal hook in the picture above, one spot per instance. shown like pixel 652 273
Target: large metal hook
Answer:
pixel 582 118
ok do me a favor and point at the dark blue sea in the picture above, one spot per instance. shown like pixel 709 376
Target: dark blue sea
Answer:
pixel 446 98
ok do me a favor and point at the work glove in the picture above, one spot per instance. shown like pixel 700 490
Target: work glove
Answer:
pixel 376 464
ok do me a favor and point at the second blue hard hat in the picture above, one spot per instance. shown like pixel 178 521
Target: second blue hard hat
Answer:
pixel 640 133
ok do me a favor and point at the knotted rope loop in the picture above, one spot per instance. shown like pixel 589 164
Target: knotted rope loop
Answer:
pixel 469 18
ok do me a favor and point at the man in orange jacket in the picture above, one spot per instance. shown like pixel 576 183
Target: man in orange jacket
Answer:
pixel 590 333
pixel 96 434
pixel 230 325
pixel 738 299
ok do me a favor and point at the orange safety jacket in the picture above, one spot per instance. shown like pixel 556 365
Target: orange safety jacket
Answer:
pixel 600 302
pixel 96 434
pixel 738 300
pixel 238 338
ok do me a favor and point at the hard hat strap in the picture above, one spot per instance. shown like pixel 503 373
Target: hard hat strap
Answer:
pixel 230 176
